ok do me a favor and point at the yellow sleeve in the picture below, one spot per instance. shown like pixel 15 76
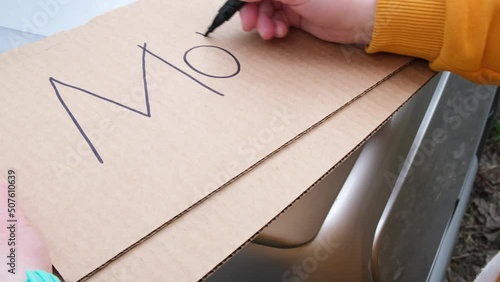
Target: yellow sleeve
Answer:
pixel 461 36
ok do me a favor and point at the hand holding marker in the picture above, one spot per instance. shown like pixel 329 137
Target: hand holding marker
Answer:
pixel 225 13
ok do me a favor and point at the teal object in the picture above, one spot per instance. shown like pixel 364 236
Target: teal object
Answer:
pixel 40 276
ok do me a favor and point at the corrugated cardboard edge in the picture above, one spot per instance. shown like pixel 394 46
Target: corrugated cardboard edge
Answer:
pixel 193 245
pixel 313 185
pixel 186 211
pixel 159 223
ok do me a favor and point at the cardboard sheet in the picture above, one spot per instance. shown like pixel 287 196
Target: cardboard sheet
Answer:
pixel 211 232
pixel 115 134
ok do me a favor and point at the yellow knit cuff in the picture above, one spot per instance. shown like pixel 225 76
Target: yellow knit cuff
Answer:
pixel 409 27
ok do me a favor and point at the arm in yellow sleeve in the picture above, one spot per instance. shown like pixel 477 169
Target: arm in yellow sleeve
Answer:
pixel 461 36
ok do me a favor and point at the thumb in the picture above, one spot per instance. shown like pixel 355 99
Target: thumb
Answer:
pixel 21 243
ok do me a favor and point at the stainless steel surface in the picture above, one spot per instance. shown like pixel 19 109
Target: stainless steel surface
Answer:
pixel 414 221
pixel 442 259
pixel 341 250
pixel 310 211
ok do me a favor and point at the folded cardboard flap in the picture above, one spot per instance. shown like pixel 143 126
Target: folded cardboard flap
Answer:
pixel 101 125
pixel 195 245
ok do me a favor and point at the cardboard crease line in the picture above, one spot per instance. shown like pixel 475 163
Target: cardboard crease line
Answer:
pixel 312 186
pixel 161 227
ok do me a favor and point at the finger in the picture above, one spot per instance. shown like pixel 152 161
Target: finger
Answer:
pixel 280 29
pixel 293 18
pixel 32 251
pixel 249 14
pixel 29 246
pixel 277 5
pixel 265 23
pixel 281 24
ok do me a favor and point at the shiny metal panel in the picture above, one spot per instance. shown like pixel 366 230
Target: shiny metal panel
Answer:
pixel 440 265
pixel 414 221
pixel 310 211
pixel 341 250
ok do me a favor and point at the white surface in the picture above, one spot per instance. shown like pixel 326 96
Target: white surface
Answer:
pixel 491 272
pixel 25 21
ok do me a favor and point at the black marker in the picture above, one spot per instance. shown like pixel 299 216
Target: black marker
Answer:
pixel 225 13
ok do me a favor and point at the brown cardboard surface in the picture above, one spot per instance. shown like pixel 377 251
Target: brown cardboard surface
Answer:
pixel 158 162
pixel 196 243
